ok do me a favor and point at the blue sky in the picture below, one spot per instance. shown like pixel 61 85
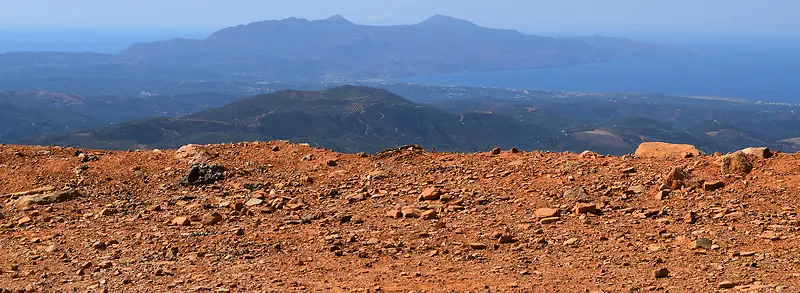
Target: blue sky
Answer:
pixel 585 16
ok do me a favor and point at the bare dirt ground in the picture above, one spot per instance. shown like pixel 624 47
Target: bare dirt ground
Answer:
pixel 291 218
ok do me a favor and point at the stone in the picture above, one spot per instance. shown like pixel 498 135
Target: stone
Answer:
pixel 652 248
pixel 202 174
pixel 496 151
pixel 571 241
pixel 676 178
pixel 211 218
pixel 584 208
pixel 429 215
pixel 394 214
pixel 181 221
pixel 666 150
pixel 630 170
pixel 373 241
pixel 726 285
pixel 193 154
pixel 254 202
pixel 704 243
pixel 759 152
pixel 410 212
pixel 690 217
pixel 332 163
pixel 661 273
pixel 771 235
pixel 662 194
pixel 478 246
pixel 505 239
pixel 276 148
pixel 99 245
pixel 550 220
pixel 713 185
pixel 636 189
pixel 736 162
pixel 546 213
pixel 47 198
pixel 51 248
pixel 514 150
pixel 578 193
pixel 24 220
pixel 430 193
pixel 239 232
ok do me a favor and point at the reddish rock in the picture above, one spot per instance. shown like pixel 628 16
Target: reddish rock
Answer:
pixel 666 150
pixel 713 185
pixel 546 213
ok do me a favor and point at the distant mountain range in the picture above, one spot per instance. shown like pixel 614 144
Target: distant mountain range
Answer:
pixel 357 118
pixel 301 50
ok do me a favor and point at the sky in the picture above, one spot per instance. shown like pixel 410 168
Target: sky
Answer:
pixel 585 16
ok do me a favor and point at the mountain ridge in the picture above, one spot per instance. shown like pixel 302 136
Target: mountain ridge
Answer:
pixel 295 49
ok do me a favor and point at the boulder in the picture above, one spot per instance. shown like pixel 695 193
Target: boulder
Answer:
pixel 201 174
pixel 193 154
pixel 666 150
pixel 736 162
pixel 759 152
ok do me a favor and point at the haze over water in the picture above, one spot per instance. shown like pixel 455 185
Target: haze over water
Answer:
pixel 751 68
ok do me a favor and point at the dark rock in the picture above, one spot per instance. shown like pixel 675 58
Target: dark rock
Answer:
pixel 201 174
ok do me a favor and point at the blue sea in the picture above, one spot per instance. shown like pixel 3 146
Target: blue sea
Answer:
pixel 96 40
pixel 751 68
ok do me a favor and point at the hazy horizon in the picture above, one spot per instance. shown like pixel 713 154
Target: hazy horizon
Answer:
pixel 617 17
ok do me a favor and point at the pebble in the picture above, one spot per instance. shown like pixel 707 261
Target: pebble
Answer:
pixel 661 273
pixel 478 246
pixel 429 215
pixel 505 239
pixel 704 243
pixel 546 213
pixel 181 221
pixel 550 220
pixel 211 218
pixel 24 220
pixel 584 208
pixel 713 185
pixel 99 245
pixel 253 202
pixel 430 193
pixel 496 151
pixel 726 285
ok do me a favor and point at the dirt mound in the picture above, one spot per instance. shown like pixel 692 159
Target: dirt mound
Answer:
pixel 290 218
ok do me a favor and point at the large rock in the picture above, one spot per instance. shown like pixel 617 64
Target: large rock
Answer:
pixel 200 174
pixel 194 154
pixel 736 162
pixel 760 152
pixel 666 150
pixel 47 198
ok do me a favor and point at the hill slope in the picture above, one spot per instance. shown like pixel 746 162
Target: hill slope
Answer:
pixel 347 118
pixel 512 222
pixel 30 114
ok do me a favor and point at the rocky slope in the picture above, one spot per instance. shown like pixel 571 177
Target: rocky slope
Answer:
pixel 277 217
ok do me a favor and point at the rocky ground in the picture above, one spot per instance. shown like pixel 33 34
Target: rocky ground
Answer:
pixel 277 217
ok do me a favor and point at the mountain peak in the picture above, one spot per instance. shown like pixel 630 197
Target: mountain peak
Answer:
pixel 337 19
pixel 447 21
